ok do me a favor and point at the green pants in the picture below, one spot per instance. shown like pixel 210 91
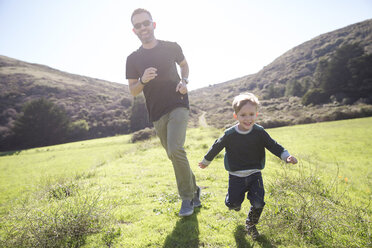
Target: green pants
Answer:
pixel 171 129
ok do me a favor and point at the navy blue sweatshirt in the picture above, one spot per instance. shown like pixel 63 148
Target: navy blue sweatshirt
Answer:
pixel 245 150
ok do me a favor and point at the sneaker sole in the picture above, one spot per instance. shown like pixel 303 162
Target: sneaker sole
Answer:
pixel 186 214
pixel 198 205
pixel 237 209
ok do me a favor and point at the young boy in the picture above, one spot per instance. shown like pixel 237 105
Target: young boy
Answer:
pixel 245 145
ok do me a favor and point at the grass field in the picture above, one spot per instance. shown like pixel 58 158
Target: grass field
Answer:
pixel 112 193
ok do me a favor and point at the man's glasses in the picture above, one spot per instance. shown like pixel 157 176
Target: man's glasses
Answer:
pixel 144 23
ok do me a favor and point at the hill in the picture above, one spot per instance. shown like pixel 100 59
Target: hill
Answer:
pixel 269 84
pixel 104 105
pixel 108 109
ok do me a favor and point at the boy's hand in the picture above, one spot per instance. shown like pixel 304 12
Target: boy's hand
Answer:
pixel 291 160
pixel 203 166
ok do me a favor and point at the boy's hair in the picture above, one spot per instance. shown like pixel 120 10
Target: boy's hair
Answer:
pixel 139 11
pixel 242 99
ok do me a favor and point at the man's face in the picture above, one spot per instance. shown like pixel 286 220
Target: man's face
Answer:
pixel 143 27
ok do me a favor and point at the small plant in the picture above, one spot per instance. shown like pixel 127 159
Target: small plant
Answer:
pixel 311 209
pixel 61 190
pixel 110 235
pixel 63 222
pixel 143 134
pixel 168 198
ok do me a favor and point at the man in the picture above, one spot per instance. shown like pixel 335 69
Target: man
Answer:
pixel 152 70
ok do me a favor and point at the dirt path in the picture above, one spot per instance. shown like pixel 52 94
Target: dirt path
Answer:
pixel 202 120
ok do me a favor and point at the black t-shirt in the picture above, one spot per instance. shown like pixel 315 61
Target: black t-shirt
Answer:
pixel 160 93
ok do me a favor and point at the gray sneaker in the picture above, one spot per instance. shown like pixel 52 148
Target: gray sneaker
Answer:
pixel 187 208
pixel 237 209
pixel 196 199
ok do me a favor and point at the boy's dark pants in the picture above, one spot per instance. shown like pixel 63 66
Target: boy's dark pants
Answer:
pixel 251 184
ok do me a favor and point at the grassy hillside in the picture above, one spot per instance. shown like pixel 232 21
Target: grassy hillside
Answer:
pixel 299 63
pixel 112 193
pixel 100 103
pixel 107 106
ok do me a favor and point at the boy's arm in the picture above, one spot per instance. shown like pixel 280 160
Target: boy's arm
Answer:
pixel 273 146
pixel 218 145
pixel 285 156
pixel 278 150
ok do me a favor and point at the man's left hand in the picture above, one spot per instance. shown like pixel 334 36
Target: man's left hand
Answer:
pixel 182 88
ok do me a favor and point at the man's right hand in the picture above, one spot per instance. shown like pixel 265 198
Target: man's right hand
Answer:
pixel 149 74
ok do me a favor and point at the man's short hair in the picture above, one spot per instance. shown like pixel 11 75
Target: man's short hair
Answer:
pixel 139 11
pixel 242 99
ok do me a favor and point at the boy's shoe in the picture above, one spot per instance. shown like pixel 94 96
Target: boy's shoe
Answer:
pixel 187 208
pixel 196 200
pixel 252 231
pixel 237 209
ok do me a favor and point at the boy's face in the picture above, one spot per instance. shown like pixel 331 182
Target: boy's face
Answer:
pixel 247 116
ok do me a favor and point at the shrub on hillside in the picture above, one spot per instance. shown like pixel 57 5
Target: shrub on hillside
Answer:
pixel 315 96
pixel 346 113
pixel 79 130
pixel 139 118
pixel 347 72
pixel 143 134
pixel 274 91
pixel 42 123
pixel 54 222
pixel 304 120
pixel 274 123
pixel 298 88
pixel 309 208
pixel 366 111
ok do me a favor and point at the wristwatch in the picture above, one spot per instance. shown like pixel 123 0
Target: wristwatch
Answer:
pixel 186 80
pixel 142 82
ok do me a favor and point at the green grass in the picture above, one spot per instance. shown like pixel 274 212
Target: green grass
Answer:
pixel 127 192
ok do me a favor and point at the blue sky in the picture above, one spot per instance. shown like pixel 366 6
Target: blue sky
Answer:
pixel 221 40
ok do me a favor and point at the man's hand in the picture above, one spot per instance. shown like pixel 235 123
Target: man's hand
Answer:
pixel 149 74
pixel 182 88
pixel 291 160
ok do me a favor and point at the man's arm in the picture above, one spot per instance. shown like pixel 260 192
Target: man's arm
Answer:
pixel 182 86
pixel 135 86
pixel 184 66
